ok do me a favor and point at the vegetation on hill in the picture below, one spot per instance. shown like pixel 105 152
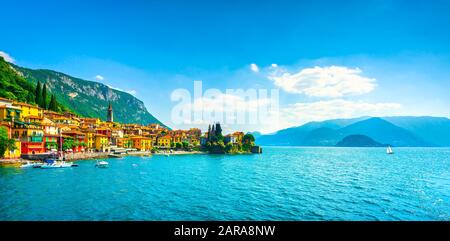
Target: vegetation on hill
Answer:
pixel 89 98
pixel 16 87
pixel 358 141
pixel 13 86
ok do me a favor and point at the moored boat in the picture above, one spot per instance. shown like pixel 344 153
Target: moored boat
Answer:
pixel 50 163
pixel 101 164
pixel 29 164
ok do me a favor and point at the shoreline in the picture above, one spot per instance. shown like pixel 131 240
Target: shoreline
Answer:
pixel 96 155
pixel 80 156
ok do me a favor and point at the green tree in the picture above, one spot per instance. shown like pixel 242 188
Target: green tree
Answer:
pixel 185 145
pixel 228 147
pixel 178 145
pixel 53 106
pixel 5 142
pixel 38 93
pixel 30 98
pixel 68 144
pixel 248 139
pixel 43 103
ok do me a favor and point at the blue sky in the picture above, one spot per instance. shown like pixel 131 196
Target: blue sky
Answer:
pixel 390 57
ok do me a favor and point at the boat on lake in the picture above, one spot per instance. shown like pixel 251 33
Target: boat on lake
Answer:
pixel 29 164
pixel 101 164
pixel 51 163
pixel 389 150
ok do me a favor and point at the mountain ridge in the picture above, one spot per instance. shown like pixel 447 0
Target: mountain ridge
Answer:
pixel 402 133
pixel 89 98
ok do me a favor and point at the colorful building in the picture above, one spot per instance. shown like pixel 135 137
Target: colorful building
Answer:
pixel 142 143
pixel 89 139
pixel 30 111
pixel 165 141
pixel 101 142
pixel 8 112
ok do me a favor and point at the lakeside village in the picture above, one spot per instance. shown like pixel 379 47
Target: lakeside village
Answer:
pixel 29 132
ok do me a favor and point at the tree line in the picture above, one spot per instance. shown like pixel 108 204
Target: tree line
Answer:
pixel 42 100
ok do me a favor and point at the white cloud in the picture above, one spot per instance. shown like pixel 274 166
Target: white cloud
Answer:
pixel 254 67
pixel 7 57
pixel 301 113
pixel 99 77
pixel 331 81
pixel 274 65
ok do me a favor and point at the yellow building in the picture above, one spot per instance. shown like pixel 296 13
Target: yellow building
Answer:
pixel 124 142
pixel 28 133
pixel 142 143
pixel 29 111
pixel 101 142
pixel 92 122
pixel 89 139
pixel 164 141
pixel 8 111
pixel 177 138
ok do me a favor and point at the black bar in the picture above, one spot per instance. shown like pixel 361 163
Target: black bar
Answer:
pixel 233 230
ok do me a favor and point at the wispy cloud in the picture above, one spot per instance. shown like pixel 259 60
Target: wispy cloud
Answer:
pixel 254 68
pixel 99 77
pixel 7 57
pixel 300 113
pixel 331 81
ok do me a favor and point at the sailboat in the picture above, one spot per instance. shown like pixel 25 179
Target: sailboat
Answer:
pixel 389 150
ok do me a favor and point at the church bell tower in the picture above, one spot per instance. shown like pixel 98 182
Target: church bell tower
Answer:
pixel 110 113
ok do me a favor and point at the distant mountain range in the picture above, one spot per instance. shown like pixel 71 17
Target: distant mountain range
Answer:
pixel 86 98
pixel 395 131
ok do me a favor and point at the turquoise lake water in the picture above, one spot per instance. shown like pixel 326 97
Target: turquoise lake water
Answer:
pixel 283 183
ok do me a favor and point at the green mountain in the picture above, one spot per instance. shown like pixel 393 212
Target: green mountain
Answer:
pixel 358 141
pixel 12 85
pixel 89 98
pixel 396 131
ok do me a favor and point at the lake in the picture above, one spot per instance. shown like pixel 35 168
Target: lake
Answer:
pixel 283 183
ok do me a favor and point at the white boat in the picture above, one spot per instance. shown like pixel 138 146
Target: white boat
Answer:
pixel 56 164
pixel 389 150
pixel 101 164
pixel 29 164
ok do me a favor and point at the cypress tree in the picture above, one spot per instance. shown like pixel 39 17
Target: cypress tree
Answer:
pixel 209 132
pixel 53 106
pixel 218 130
pixel 213 131
pixel 38 94
pixel 44 97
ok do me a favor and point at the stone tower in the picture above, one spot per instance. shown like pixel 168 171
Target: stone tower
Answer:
pixel 110 113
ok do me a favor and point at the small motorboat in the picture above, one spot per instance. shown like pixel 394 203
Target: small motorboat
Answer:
pixel 101 164
pixel 29 164
pixel 50 163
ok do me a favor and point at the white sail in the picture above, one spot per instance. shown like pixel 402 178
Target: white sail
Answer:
pixel 389 150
